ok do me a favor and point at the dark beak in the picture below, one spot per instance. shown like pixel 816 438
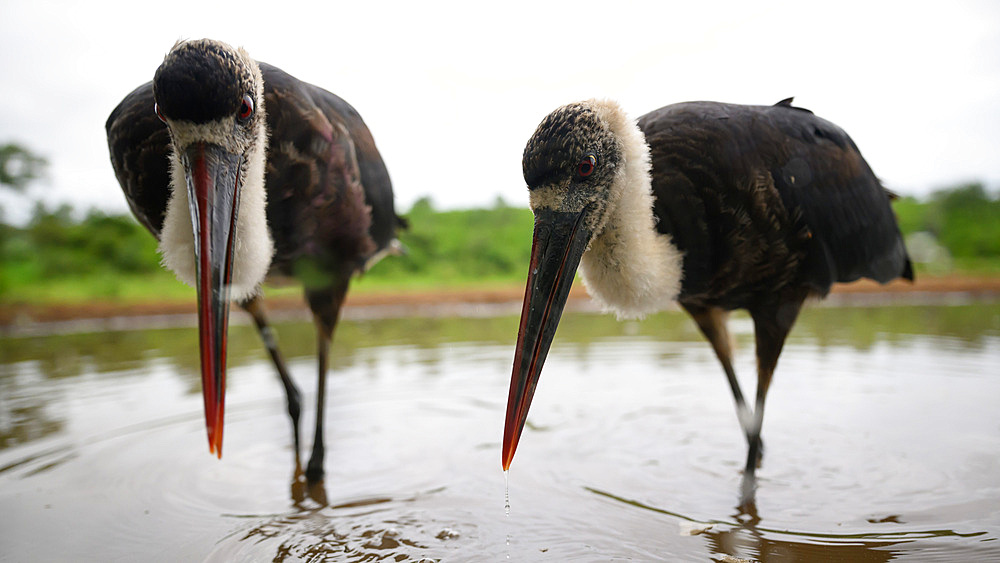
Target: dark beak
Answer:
pixel 559 241
pixel 213 180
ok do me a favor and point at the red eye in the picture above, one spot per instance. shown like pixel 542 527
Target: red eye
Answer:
pixel 587 165
pixel 246 107
pixel 156 108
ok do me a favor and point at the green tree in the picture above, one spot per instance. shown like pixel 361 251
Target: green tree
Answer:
pixel 19 166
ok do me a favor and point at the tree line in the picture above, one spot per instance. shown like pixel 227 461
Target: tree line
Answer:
pixel 63 255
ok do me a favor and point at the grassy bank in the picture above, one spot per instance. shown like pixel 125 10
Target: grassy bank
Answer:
pixel 60 258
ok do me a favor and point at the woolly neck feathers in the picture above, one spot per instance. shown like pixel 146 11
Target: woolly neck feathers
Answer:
pixel 630 268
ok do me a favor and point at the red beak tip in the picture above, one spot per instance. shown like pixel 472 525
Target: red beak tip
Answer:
pixel 215 443
pixel 216 447
pixel 507 457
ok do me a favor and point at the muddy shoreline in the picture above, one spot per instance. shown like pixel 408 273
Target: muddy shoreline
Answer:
pixel 24 319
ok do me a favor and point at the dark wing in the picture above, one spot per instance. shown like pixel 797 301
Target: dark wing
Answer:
pixel 687 189
pixel 821 173
pixel 329 194
pixel 755 194
pixel 374 176
pixel 369 164
pixel 327 185
pixel 139 144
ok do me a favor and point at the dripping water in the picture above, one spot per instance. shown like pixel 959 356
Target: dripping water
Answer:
pixel 506 505
pixel 506 494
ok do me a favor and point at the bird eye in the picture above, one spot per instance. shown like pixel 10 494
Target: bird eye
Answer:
pixel 587 165
pixel 246 107
pixel 156 108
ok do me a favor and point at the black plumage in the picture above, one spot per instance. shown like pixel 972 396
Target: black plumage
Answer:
pixel 324 131
pixel 762 197
pixel 763 206
pixel 770 205
pixel 329 205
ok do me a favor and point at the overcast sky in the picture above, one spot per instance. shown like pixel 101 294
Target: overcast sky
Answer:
pixel 452 91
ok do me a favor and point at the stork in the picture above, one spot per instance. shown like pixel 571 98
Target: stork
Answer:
pixel 716 206
pixel 244 172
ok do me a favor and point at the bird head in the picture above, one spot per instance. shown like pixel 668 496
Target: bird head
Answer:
pixel 574 165
pixel 214 236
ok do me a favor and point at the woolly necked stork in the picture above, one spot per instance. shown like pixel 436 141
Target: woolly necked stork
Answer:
pixel 244 172
pixel 716 206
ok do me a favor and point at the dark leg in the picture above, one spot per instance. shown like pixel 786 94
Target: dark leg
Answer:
pixel 772 322
pixel 255 306
pixel 712 322
pixel 325 305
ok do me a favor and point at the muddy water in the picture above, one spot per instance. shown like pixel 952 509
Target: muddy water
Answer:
pixel 882 443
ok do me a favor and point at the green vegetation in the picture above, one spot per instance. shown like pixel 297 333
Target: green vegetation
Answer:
pixel 58 257
pixel 19 166
pixel 459 247
pixel 965 220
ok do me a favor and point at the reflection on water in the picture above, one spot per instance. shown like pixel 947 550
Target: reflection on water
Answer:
pixel 883 442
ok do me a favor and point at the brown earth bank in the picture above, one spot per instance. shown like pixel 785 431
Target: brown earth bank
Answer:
pixel 460 301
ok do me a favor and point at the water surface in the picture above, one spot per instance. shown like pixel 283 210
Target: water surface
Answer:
pixel 882 443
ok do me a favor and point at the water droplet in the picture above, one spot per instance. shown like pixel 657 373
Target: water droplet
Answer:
pixel 506 506
pixel 506 498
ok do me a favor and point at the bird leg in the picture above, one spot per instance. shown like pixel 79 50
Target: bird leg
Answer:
pixel 712 322
pixel 255 306
pixel 772 322
pixel 325 305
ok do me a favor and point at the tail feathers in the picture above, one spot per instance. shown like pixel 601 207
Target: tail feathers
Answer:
pixel 787 103
pixel 908 271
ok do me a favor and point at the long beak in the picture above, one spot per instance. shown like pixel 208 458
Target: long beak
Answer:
pixel 213 178
pixel 559 241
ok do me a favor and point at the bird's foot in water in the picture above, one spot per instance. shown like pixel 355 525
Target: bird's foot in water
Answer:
pixel 757 453
pixel 302 489
pixel 309 484
pixel 314 471
pixel 748 485
pixel 748 489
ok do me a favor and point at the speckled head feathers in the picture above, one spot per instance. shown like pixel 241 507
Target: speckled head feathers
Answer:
pixel 629 267
pixel 199 90
pixel 205 80
pixel 562 140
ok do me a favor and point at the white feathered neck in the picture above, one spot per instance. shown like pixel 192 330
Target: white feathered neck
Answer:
pixel 630 268
pixel 253 247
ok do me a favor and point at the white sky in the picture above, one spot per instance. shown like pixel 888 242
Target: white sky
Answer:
pixel 452 91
